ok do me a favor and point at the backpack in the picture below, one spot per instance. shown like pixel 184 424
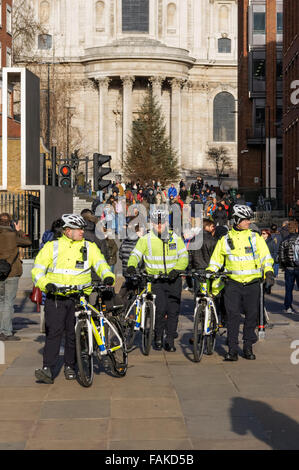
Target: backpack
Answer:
pixel 5 268
pixel 295 247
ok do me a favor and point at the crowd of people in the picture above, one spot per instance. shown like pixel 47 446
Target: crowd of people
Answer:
pixel 229 241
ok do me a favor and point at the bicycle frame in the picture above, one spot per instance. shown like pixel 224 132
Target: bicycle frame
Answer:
pixel 205 288
pixel 139 304
pixel 97 332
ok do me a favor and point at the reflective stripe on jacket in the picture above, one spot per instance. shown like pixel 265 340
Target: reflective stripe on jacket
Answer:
pixel 160 256
pixel 244 253
pixel 61 262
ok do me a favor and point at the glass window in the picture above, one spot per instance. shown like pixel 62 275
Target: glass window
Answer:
pixel 259 115
pixel 44 41
pixel 224 118
pixel 8 57
pixel 259 69
pixel 259 22
pixel 224 46
pixel 279 22
pixel 135 16
pixel 8 19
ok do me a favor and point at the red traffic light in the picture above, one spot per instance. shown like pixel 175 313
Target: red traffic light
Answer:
pixel 65 170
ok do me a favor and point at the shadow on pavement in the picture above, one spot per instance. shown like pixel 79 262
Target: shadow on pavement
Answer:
pixel 272 427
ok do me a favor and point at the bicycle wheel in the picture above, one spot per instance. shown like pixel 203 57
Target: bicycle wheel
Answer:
pixel 119 357
pixel 129 328
pixel 198 332
pixel 148 330
pixel 211 338
pixel 84 359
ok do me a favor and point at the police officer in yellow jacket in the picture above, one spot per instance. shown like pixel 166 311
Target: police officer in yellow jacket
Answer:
pixel 64 263
pixel 245 254
pixel 163 252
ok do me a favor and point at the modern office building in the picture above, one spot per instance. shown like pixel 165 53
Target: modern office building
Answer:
pixel 291 101
pixel 260 106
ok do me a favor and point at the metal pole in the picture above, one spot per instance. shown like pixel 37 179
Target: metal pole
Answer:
pixel 48 110
pixel 53 156
pixel 86 171
pixel 261 170
pixel 269 155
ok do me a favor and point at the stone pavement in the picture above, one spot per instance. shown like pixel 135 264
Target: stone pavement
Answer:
pixel 166 401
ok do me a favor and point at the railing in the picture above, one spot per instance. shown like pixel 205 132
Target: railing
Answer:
pixel 24 208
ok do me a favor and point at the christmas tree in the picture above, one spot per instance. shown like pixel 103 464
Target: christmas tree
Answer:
pixel 150 155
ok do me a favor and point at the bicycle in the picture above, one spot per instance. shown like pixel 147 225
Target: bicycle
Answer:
pixel 206 323
pixel 97 333
pixel 140 315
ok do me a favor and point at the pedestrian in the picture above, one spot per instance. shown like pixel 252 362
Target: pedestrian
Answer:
pixel 65 263
pixel 276 236
pixel 289 262
pixel 172 191
pixel 163 252
pixel 183 194
pixel 284 231
pixel 11 238
pixel 246 257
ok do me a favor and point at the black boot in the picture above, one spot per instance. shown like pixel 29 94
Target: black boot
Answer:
pixel 248 354
pixel 231 356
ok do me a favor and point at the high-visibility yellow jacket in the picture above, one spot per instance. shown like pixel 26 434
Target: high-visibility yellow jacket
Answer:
pixel 160 256
pixel 244 253
pixel 61 262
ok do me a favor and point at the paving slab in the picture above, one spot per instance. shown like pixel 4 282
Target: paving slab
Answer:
pixel 146 408
pixel 75 409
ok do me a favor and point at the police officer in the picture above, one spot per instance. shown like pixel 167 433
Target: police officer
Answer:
pixel 163 252
pixel 60 264
pixel 245 254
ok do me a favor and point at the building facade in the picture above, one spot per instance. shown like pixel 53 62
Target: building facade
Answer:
pixel 291 102
pixel 111 51
pixel 6 61
pixel 260 98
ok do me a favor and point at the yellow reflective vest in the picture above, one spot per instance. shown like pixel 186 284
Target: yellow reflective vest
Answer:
pixel 244 253
pixel 160 256
pixel 61 262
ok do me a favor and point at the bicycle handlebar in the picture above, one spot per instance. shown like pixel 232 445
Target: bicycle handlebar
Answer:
pixel 75 289
pixel 203 274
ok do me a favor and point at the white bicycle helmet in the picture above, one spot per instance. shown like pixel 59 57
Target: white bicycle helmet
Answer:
pixel 158 215
pixel 241 212
pixel 73 221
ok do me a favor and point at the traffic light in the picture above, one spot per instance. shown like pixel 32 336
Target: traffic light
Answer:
pixel 65 176
pixel 99 171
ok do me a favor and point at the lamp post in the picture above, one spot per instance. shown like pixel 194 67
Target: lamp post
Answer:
pixel 69 109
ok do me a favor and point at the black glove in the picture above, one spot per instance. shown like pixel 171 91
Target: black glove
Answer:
pixel 209 273
pixel 131 271
pixel 51 288
pixel 108 281
pixel 269 281
pixel 189 281
pixel 173 275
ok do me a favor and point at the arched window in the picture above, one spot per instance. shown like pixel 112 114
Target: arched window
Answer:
pixel 171 17
pixel 135 16
pixel 100 16
pixel 224 118
pixel 224 46
pixel 223 19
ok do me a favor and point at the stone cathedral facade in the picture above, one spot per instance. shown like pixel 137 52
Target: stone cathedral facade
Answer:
pixel 114 49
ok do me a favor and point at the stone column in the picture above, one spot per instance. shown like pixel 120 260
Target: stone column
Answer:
pixel 156 83
pixel 103 115
pixel 176 117
pixel 127 110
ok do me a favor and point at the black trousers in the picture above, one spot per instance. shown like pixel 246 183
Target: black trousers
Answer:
pixel 239 298
pixel 59 319
pixel 168 302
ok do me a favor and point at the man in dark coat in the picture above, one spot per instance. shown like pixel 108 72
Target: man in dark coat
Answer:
pixel 11 238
